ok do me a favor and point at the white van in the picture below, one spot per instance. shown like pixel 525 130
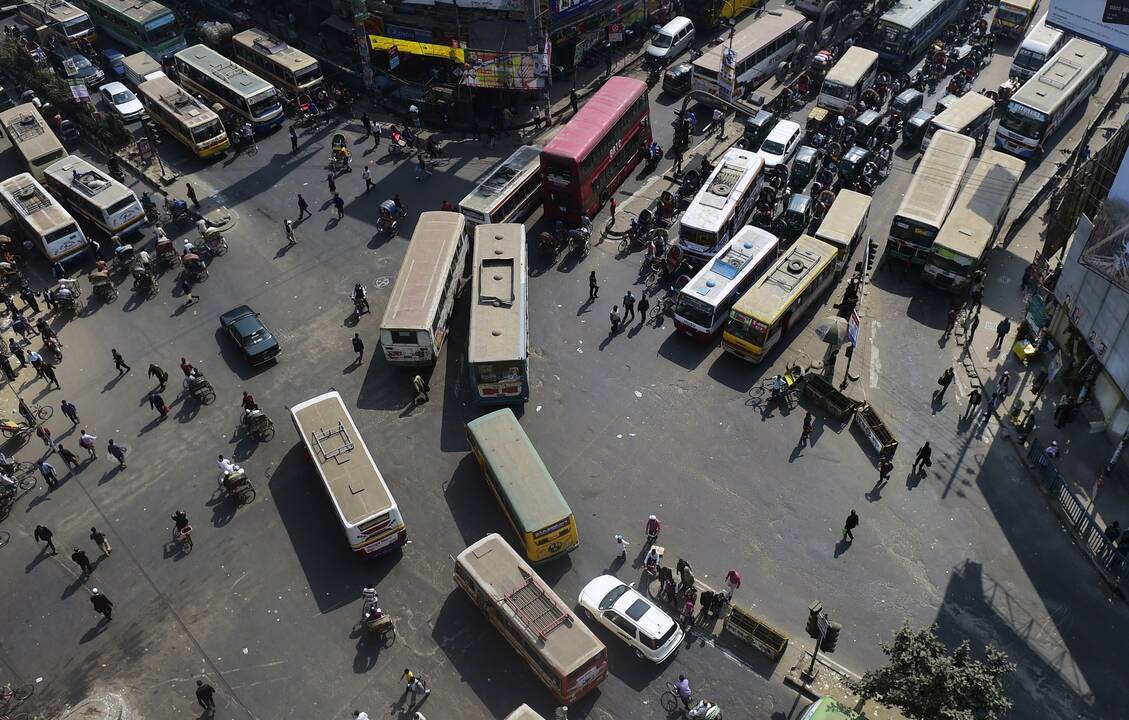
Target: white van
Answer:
pixel 671 41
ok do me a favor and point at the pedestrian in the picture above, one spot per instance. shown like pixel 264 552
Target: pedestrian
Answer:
pixel 28 296
pixel 102 604
pixel 186 288
pixel 950 323
pixel 418 688
pixel 17 350
pixel 421 167
pixel 688 610
pixel 375 136
pixel 358 715
pixel 79 557
pixel 20 326
pixel 101 541
pixel 86 442
pixel 48 371
pixel 289 228
pixel 293 140
pixel 976 299
pixel 70 410
pixel 408 676
pixel 1005 383
pixel 719 121
pixel 367 122
pixel 68 457
pixel 118 451
pixel 47 470
pixel 36 361
pixel 1001 332
pixel 706 602
pixel 628 307
pixel 677 160
pixel 974 398
pixel 57 270
pixel 191 193
pixel 593 286
pixel 42 534
pixel 119 363
pixel 413 111
pixel 732 583
pixel 303 208
pixel 851 523
pixel 366 175
pixel 805 433
pixel 422 389
pixel 621 546
pixel 44 433
pixel 924 458
pixel 6 366
pixel 205 695
pixel 26 413
pixel 332 183
pixel 162 377
pixel 339 205
pixel 158 404
pixel 990 407
pixel 186 367
pixel 1052 449
pixel 611 205
pixel 358 347
pixel 615 319
pixel 644 306
pixel 572 100
pixel 970 331
pixel 944 381
pixel 49 296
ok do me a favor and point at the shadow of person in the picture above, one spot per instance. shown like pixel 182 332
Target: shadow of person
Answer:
pixel 914 478
pixel 797 452
pixel 841 547
pixel 585 306
pixel 618 562
pixel 95 631
pixel 875 493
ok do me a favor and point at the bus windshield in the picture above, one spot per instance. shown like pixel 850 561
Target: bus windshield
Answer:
pixel 1010 14
pixel 307 74
pixel 1024 121
pixel 837 90
pixel 158 35
pixel 262 103
pixel 1029 59
pixel 745 328
pixel 207 131
pixel 695 310
pixel 79 27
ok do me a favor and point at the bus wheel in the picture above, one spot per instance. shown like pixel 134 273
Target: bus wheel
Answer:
pixel 828 20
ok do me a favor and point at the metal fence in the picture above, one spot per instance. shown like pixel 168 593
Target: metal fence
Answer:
pixel 1111 563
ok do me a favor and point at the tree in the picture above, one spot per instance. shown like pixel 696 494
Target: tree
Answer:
pixel 929 683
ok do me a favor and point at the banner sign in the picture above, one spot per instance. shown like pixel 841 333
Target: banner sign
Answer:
pixel 1107 248
pixel 1106 22
pixel 376 42
pixel 505 71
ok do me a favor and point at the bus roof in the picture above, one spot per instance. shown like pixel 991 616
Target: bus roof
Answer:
pixel 178 102
pixel 937 179
pixel 517 466
pixel 29 200
pixel 90 182
pixel 736 171
pixel 842 220
pixel 231 74
pixel 336 447
pixel 791 273
pixel 524 712
pixel 980 205
pixel 497 317
pixel 526 159
pixel 1028 5
pixel 266 44
pixel 1042 37
pixel 576 139
pixel 142 11
pixel 1070 67
pixel 713 282
pixel 60 10
pixel 424 270
pixel 748 40
pixel 27 128
pixel 852 66
pixel 967 108
pixel 532 607
pixel 908 13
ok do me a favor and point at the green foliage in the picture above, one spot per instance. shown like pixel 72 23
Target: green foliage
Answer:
pixel 928 682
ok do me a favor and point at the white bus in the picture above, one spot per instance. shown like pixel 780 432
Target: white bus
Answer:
pixel 42 218
pixel 94 195
pixel 930 196
pixel 845 83
pixel 703 304
pixel 509 192
pixel 973 222
pixel 1039 46
pixel 253 99
pixel 69 23
pixel 970 115
pixel 759 50
pixel 498 339
pixel 844 225
pixel 184 117
pixel 287 67
pixel 361 499
pixel 723 205
pixel 32 138
pixel 1038 108
pixel 415 321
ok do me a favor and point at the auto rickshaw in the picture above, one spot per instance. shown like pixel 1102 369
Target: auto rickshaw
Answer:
pixel 865 125
pixel 101 286
pixel 804 167
pixel 914 129
pixel 797 214
pixel 907 102
pixel 340 154
pixel 676 80
pixel 758 127
pixel 850 167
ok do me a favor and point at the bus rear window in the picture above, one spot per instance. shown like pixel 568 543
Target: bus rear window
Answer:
pixel 403 337
pixel 498 371
pixel 207 131
pixel 121 205
pixel 61 233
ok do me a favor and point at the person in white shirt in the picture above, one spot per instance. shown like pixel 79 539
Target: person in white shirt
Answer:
pixel 226 466
pixel 358 715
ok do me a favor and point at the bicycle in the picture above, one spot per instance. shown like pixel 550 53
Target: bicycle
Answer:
pixel 670 699
pixel 183 539
pixel 12 698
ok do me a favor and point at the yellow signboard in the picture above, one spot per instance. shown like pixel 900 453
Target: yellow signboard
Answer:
pixel 411 47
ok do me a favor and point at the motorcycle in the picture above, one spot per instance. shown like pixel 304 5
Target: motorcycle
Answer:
pixel 375 620
pixel 360 300
pixel 175 211
pixel 152 214
pixel 654 153
pixel 54 347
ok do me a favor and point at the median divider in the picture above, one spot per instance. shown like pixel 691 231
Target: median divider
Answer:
pixel 751 629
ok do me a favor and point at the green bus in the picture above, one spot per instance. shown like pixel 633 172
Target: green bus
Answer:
pixel 140 24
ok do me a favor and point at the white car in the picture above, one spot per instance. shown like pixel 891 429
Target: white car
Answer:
pixel 122 100
pixel 623 610
pixel 781 143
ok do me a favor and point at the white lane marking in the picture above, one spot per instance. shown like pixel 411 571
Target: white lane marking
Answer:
pixel 875 364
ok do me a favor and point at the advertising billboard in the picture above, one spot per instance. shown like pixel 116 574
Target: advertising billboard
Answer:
pixel 1106 22
pixel 1107 249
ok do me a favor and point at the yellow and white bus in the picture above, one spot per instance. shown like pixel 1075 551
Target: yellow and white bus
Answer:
pixel 844 226
pixel 95 196
pixel 287 67
pixel 185 118
pixel 781 298
pixel 361 499
pixel 1013 17
pixel 32 138
pixel 973 222
pixel 538 513
pixel 414 327
pixel 758 49
pixel 70 24
pixel 845 83
pixel 45 222
pixel 253 99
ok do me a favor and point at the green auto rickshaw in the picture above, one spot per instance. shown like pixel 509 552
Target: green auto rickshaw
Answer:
pixel 804 167
pixel 758 127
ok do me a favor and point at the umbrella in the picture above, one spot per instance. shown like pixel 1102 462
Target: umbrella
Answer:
pixel 833 330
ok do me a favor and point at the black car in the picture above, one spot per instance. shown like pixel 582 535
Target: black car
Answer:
pixel 676 80
pixel 254 340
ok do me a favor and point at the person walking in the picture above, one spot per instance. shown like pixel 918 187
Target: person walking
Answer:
pixel 293 140
pixel 68 457
pixel 158 403
pixel 413 111
pixel 375 136
pixel 1005 383
pixel 628 307
pixel 102 604
pixel 303 208
pixel 974 398
pixel 944 381
pixel 119 363
pixel 70 410
pixel 48 371
pixel 6 366
pixel 851 523
pixel 366 175
pixel 44 433
pixel 191 193
pixel 28 296
pixel 17 350
pixel 205 695
pixel 885 467
pixel 615 319
pixel 421 167
pixel 950 323
pixel 644 306
pixel 118 451
pixel 36 361
pixel 1002 330
pixel 593 286
pixel 612 206
pixel 157 372
pixel 86 442
pixel 970 331
pixel 101 541
pixel 422 389
pixel 44 535
pixel 186 288
pixel 332 183
pixel 924 458
pixel 358 347
pixel 289 228
pixel 79 557
pixel 805 433
pixel 418 688
pixel 991 405
pixel 732 583
pixel 975 300
pixel 339 206
pixel 621 545
pixel 367 122
pixel 47 470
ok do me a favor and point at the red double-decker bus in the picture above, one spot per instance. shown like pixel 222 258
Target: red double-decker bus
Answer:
pixel 594 152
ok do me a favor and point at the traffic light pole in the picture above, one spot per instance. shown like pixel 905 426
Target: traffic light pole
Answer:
pixel 810 673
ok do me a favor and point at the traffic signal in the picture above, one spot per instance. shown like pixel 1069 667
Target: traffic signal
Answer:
pixel 813 618
pixel 831 639
pixel 871 254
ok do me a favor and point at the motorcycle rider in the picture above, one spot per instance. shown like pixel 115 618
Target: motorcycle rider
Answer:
pixel 360 298
pixel 181 519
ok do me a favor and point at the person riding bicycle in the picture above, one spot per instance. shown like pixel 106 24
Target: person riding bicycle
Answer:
pixel 181 519
pixel 683 686
pixel 778 386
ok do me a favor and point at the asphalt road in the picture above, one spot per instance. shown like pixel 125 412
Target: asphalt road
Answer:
pixel 647 421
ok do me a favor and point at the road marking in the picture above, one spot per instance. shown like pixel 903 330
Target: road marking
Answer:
pixel 875 363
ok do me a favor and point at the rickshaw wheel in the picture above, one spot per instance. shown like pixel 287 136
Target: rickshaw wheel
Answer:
pixel 266 433
pixel 388 636
pixel 247 494
pixel 207 396
pixel 221 249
